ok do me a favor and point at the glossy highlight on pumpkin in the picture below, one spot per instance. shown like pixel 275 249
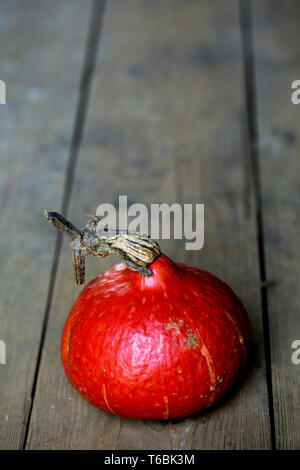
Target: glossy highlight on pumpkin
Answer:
pixel 157 347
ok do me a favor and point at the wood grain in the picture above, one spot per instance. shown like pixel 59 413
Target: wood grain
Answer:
pixel 166 124
pixel 41 59
pixel 277 64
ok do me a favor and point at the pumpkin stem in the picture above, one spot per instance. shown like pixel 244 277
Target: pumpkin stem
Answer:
pixel 137 251
pixel 63 225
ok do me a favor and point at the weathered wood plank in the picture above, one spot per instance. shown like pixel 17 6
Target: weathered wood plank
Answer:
pixel 166 124
pixel 41 58
pixel 277 61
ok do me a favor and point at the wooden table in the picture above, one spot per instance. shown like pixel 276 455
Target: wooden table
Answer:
pixel 163 101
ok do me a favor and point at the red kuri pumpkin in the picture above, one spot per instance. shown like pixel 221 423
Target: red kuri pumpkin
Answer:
pixel 155 347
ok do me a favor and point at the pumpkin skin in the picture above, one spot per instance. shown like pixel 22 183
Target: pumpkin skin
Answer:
pixel 158 347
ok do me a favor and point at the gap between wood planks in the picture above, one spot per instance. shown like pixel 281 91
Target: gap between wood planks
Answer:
pixel 245 9
pixel 80 114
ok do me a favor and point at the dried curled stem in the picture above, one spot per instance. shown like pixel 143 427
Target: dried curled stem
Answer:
pixel 137 251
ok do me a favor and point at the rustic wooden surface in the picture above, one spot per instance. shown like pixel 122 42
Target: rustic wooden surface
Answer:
pixel 277 66
pixel 41 59
pixel 190 102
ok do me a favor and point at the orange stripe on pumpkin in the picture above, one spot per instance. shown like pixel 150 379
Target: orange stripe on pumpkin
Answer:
pixel 166 412
pixel 241 338
pixel 211 370
pixel 105 399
